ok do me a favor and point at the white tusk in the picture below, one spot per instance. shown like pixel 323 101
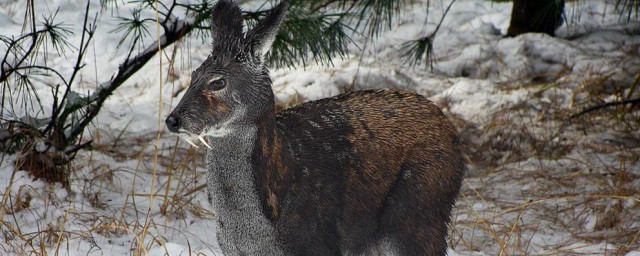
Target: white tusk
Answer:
pixel 204 142
pixel 190 142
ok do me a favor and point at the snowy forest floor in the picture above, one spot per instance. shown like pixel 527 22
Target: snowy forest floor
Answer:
pixel 544 178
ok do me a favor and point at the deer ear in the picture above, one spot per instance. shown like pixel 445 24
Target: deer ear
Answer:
pixel 260 38
pixel 226 24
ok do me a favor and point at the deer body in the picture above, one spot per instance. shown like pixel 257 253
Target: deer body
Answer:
pixel 364 173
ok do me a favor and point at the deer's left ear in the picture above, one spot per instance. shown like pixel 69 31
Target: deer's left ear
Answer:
pixel 260 38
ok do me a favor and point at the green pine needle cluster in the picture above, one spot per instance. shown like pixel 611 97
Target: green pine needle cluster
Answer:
pixel 315 36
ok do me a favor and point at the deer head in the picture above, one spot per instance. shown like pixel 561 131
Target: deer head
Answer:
pixel 232 87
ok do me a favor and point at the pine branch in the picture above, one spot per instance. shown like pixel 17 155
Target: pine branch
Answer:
pixel 58 115
pixel 126 69
pixel 13 62
pixel 628 9
pixel 415 51
pixel 375 15
pixel 302 36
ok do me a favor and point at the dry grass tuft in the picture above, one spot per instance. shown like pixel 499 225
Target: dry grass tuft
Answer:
pixel 49 166
pixel 571 176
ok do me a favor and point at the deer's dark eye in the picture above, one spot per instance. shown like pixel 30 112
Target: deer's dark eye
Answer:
pixel 240 57
pixel 217 84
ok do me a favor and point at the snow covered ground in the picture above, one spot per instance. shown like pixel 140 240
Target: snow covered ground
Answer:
pixel 539 182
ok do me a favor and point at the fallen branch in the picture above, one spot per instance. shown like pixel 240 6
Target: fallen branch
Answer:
pixel 633 102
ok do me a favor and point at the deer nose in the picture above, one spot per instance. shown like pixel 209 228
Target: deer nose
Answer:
pixel 173 123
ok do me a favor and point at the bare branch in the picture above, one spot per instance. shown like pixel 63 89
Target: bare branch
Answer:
pixel 129 67
pixel 633 102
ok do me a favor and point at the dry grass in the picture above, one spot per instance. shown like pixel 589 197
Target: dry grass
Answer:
pixel 544 184
pixel 95 178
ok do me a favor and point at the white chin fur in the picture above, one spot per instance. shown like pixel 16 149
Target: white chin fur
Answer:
pixel 190 138
pixel 222 129
pixel 215 132
pixel 218 131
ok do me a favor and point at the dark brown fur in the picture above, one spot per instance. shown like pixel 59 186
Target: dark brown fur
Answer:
pixel 401 172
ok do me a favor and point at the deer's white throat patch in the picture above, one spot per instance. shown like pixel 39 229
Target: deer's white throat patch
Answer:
pixel 224 128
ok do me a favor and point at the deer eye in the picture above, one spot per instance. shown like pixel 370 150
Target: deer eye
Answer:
pixel 240 57
pixel 217 84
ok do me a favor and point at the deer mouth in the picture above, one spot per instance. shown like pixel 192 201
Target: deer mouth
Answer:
pixel 189 138
pixel 216 131
pixel 202 130
pixel 176 125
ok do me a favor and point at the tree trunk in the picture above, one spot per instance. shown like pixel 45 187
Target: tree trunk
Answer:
pixel 538 16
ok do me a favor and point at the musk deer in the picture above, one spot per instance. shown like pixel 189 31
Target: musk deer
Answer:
pixel 363 173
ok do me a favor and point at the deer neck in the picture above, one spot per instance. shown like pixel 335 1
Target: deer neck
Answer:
pixel 236 194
